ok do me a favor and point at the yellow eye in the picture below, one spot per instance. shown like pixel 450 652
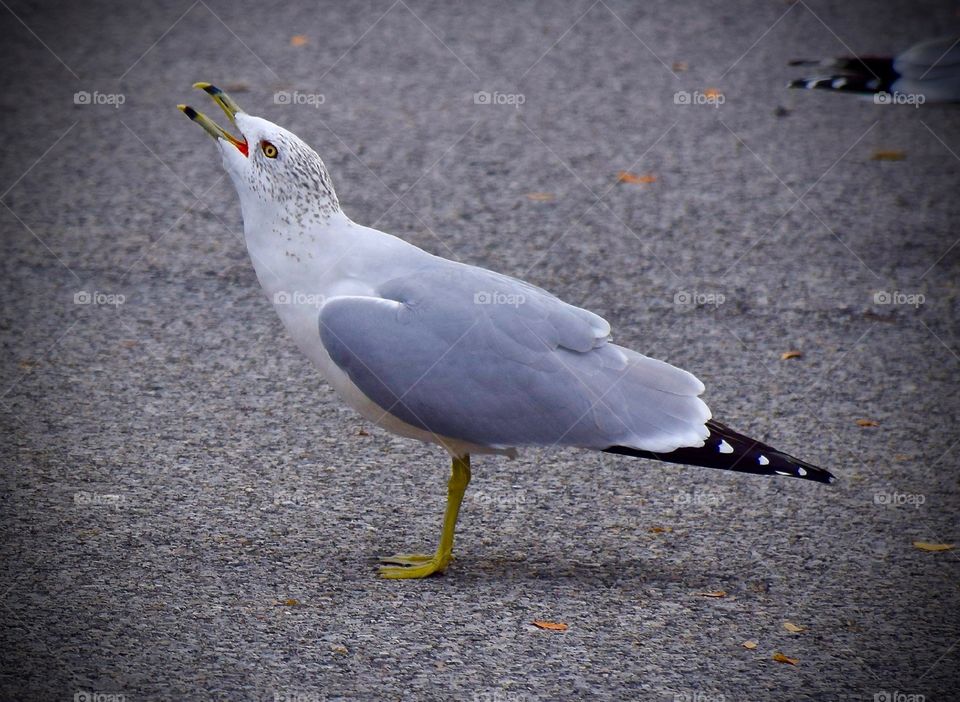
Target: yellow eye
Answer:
pixel 269 150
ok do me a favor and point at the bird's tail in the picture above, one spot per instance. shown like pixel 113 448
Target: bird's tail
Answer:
pixel 730 450
pixel 849 75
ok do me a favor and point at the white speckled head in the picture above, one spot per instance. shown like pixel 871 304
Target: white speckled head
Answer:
pixel 281 181
pixel 280 177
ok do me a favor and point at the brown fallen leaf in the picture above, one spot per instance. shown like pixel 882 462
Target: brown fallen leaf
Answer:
pixel 633 178
pixel 541 197
pixel 866 423
pixel 659 530
pixel 715 593
pixel 362 432
pixel 298 40
pixel 29 364
pixel 927 546
pixel 712 93
pixel 680 66
pixel 780 658
pixel 550 626
pixel 290 602
pixel 338 648
pixel 787 355
pixel 750 645
pixel 793 628
pixel 888 155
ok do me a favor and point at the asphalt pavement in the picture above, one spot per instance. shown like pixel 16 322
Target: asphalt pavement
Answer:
pixel 189 513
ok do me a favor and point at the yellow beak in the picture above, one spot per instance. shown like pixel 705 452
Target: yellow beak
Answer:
pixel 230 108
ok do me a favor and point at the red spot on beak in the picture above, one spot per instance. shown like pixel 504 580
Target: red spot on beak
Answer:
pixel 240 144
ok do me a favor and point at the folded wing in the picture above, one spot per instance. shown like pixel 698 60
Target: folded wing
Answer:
pixel 481 357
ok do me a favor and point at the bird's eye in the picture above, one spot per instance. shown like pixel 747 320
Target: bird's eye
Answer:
pixel 269 150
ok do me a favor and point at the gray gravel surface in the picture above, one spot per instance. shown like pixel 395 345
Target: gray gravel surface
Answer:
pixel 188 512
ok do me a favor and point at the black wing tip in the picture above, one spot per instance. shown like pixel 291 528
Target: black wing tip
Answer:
pixel 864 75
pixel 727 449
pixel 838 84
pixel 786 466
pixel 807 471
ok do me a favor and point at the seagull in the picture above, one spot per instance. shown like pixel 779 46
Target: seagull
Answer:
pixel 930 68
pixel 452 354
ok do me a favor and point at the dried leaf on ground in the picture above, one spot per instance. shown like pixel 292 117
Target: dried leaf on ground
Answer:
pixel 780 658
pixel 541 197
pixel 550 626
pixel 628 177
pixel 713 593
pixel 749 645
pixel 888 155
pixel 866 423
pixel 793 628
pixel 927 546
pixel 298 40
pixel 787 355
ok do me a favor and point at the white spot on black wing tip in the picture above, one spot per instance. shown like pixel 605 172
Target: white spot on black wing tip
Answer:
pixel 801 471
pixel 763 460
pixel 724 447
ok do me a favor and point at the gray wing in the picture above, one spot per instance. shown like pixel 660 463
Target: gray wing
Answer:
pixel 474 355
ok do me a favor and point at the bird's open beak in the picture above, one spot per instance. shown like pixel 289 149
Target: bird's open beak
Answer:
pixel 228 105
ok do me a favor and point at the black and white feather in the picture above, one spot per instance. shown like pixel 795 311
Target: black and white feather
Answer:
pixel 930 68
pixel 730 450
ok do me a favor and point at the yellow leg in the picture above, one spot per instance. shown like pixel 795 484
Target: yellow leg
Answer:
pixel 418 565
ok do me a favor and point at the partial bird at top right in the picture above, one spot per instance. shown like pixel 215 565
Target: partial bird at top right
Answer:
pixel 930 69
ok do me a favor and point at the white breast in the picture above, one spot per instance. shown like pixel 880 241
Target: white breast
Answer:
pixel 301 273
